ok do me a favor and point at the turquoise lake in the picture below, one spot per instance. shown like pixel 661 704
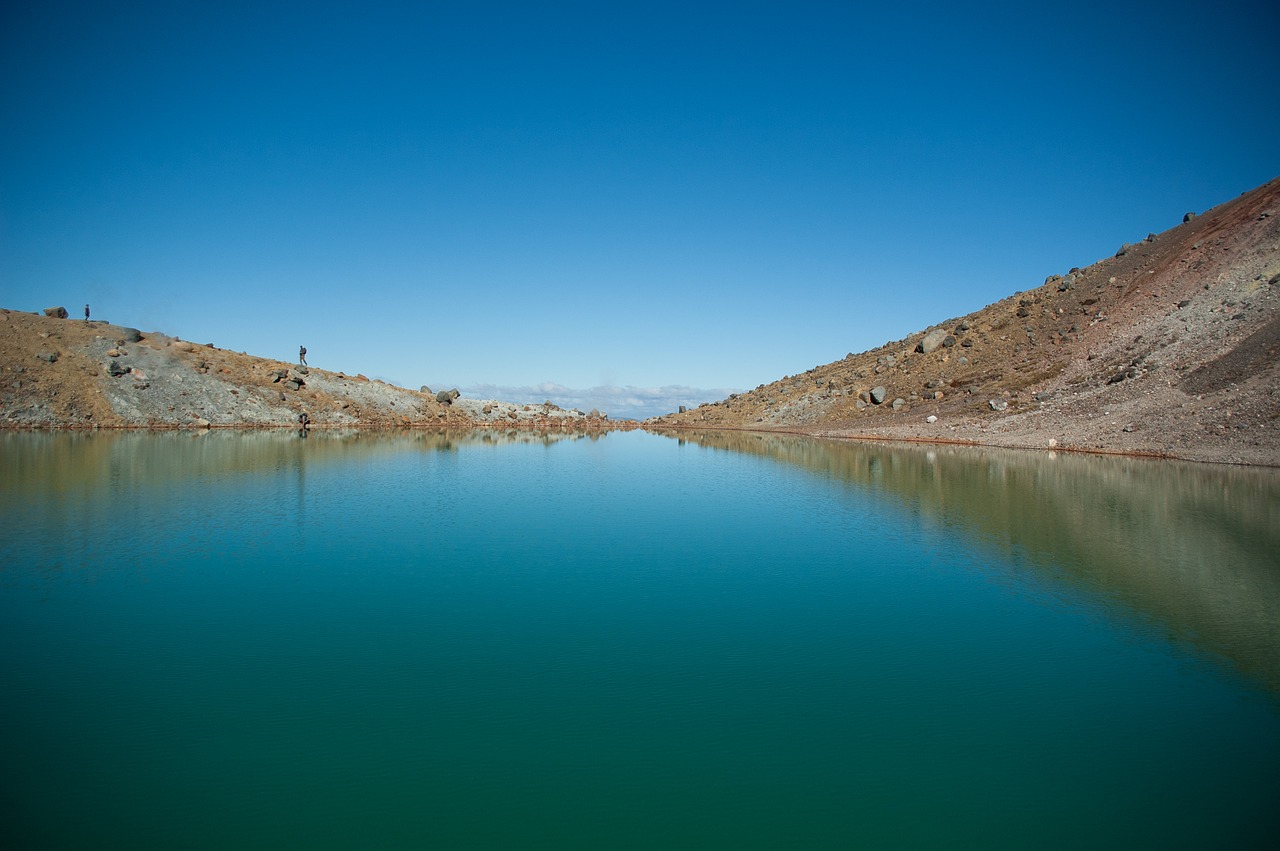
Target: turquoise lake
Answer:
pixel 254 640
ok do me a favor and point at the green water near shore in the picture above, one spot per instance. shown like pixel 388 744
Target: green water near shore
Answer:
pixel 480 640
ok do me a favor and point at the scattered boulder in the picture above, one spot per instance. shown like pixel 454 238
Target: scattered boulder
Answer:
pixel 931 419
pixel 878 393
pixel 56 312
pixel 1188 217
pixel 115 370
pixel 998 404
pixel 446 397
pixel 898 404
pixel 48 357
pixel 931 341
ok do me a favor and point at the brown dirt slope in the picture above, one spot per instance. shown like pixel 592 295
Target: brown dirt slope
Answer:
pixel 69 373
pixel 1169 348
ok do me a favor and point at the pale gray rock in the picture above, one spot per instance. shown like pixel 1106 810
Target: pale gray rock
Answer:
pixel 931 341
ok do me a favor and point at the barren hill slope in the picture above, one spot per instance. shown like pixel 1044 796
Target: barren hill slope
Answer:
pixel 69 373
pixel 1171 347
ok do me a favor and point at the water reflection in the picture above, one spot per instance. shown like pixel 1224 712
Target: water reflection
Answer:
pixel 42 463
pixel 1192 548
pixel 78 482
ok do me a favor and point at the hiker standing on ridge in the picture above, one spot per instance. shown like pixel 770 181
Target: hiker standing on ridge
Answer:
pixel 86 313
pixel 302 355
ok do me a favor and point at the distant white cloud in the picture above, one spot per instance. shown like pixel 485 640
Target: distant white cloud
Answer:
pixel 625 402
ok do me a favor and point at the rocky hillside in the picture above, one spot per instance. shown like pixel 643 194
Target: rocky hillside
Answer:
pixel 69 373
pixel 1171 347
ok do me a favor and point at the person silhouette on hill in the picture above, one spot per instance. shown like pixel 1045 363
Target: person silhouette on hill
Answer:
pixel 302 355
pixel 86 313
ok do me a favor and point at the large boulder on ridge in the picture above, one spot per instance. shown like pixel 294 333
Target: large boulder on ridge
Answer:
pixel 931 340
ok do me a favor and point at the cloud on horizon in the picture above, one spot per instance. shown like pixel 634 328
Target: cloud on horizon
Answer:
pixel 625 402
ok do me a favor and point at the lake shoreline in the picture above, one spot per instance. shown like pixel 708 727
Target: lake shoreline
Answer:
pixel 1201 455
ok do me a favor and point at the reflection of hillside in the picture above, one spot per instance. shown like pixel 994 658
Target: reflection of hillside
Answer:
pixel 96 462
pixel 1195 548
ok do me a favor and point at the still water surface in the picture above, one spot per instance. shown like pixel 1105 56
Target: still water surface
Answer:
pixel 254 640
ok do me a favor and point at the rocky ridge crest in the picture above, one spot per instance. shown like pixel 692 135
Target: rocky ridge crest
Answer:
pixel 69 373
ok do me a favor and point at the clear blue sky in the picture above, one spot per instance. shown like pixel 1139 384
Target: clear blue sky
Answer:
pixel 677 198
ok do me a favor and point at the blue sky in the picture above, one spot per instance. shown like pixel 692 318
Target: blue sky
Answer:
pixel 651 201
